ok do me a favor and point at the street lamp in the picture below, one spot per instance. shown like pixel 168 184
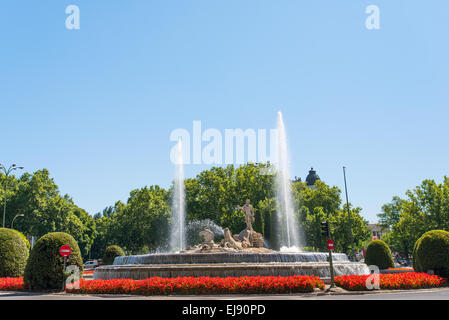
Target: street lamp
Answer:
pixel 349 212
pixel 7 172
pixel 17 215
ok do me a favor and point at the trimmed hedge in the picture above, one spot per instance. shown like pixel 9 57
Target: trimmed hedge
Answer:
pixel 45 267
pixel 110 253
pixel 379 254
pixel 431 252
pixel 13 253
pixel 26 241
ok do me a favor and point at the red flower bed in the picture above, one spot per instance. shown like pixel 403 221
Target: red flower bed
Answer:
pixel 11 284
pixel 410 280
pixel 201 285
pixel 187 285
pixel 89 272
pixel 401 269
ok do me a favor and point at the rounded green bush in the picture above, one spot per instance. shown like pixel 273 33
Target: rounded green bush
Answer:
pixel 431 252
pixel 26 240
pixel 379 254
pixel 13 253
pixel 45 267
pixel 110 253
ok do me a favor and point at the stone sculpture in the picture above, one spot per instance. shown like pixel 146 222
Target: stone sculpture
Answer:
pixel 207 235
pixel 249 214
pixel 247 240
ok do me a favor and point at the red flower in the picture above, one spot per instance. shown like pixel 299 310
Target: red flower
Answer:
pixel 410 280
pixel 248 285
pixel 201 285
pixel 11 284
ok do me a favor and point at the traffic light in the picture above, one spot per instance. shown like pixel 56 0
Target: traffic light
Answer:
pixel 325 228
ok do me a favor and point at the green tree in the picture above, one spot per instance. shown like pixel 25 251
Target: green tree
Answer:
pixel 259 221
pixel 350 232
pixel 390 214
pixel 215 194
pixel 143 221
pixel 267 210
pixel 45 210
pixel 104 234
pixel 323 196
pixel 323 203
pixel 425 208
pixel 312 228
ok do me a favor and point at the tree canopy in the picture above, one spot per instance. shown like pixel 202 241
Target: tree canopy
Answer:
pixel 45 210
pixel 425 208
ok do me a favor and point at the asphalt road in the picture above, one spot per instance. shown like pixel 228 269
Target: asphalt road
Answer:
pixel 430 294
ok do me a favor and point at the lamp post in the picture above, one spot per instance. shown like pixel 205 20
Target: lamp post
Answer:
pixel 7 172
pixel 17 215
pixel 347 208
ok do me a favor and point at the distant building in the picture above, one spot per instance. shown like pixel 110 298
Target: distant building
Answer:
pixel 377 231
pixel 311 178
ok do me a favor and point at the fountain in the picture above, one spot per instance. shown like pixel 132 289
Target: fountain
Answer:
pixel 235 255
pixel 288 225
pixel 177 234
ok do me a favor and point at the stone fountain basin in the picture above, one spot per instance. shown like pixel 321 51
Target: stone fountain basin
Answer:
pixel 138 272
pixel 228 264
pixel 228 257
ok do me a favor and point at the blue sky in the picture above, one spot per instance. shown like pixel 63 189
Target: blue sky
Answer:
pixel 96 106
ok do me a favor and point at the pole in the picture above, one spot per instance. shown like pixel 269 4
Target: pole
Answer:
pixel 4 204
pixel 7 172
pixel 347 208
pixel 332 269
pixel 63 277
pixel 12 223
pixel 17 215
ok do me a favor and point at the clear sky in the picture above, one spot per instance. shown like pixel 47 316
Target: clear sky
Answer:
pixel 96 106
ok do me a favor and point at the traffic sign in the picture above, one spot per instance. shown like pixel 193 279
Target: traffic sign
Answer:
pixel 330 244
pixel 65 250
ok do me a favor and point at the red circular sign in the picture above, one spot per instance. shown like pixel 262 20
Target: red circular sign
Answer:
pixel 330 244
pixel 65 250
